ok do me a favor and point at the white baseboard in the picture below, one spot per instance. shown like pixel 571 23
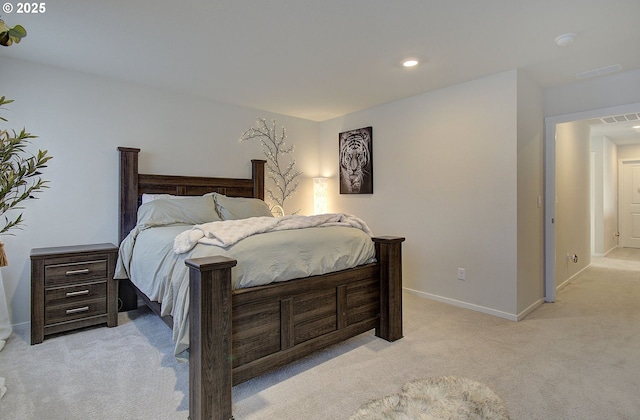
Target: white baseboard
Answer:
pixel 466 305
pixel 611 250
pixel 596 254
pixel 530 309
pixel 22 326
pixel 570 279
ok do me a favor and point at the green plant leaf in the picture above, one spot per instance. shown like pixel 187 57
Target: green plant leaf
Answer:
pixel 10 35
pixel 20 173
pixel 18 31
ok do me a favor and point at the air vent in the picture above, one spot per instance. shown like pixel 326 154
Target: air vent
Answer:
pixel 621 118
pixel 599 72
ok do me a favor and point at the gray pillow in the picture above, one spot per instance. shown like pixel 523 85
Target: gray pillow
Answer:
pixel 187 210
pixel 233 208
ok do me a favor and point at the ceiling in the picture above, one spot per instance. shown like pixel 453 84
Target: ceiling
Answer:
pixel 323 59
pixel 620 129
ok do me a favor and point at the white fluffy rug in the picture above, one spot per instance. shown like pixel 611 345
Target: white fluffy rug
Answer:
pixel 447 397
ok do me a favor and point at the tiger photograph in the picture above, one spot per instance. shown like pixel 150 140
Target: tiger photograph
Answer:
pixel 356 163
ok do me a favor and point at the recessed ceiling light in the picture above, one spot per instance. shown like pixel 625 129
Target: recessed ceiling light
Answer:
pixel 412 62
pixel 565 39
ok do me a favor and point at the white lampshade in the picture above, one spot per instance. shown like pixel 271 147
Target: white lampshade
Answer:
pixel 320 195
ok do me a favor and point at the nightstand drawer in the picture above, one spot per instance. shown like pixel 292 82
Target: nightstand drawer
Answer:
pixel 75 294
pixel 73 311
pixel 64 274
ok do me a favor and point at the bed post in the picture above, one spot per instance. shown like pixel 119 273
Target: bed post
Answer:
pixel 389 255
pixel 128 190
pixel 210 364
pixel 257 174
pixel 127 298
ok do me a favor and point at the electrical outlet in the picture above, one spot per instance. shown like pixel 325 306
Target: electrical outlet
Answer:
pixel 462 274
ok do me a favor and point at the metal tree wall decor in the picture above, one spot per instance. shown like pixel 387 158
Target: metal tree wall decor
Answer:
pixel 282 174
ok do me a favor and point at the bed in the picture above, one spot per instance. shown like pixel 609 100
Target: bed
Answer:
pixel 238 334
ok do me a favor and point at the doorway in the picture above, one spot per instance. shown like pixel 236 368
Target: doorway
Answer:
pixel 550 185
pixel 629 203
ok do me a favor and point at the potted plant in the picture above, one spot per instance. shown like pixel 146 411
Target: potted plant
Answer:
pixel 10 35
pixel 20 176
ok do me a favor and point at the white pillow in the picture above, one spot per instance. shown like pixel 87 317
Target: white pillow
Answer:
pixel 233 208
pixel 147 198
pixel 191 210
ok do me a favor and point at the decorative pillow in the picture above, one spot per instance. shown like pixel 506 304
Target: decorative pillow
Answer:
pixel 147 198
pixel 189 210
pixel 233 208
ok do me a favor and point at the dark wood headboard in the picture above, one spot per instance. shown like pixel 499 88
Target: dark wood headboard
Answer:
pixel 133 185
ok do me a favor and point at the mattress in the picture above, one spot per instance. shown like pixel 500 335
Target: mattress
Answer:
pixel 148 259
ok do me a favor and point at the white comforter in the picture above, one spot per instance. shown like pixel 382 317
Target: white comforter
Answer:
pixel 147 257
pixel 227 233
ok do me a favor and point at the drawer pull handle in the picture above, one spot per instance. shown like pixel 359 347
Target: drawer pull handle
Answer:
pixel 74 272
pixel 78 293
pixel 77 310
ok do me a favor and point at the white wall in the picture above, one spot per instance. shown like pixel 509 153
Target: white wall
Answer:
pixel 631 151
pixel 573 210
pixel 605 217
pixel 591 94
pixel 445 177
pixel 609 195
pixel 82 119
pixel 530 192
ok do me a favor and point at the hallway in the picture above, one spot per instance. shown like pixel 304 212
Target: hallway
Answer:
pixel 623 258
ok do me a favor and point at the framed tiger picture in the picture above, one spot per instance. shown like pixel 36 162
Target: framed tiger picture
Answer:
pixel 356 161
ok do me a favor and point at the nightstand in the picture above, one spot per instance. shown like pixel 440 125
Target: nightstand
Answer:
pixel 72 287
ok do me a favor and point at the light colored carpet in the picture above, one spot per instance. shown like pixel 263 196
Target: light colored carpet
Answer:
pixel 578 358
pixel 441 398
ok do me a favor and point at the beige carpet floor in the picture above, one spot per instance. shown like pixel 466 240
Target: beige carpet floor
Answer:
pixel 578 358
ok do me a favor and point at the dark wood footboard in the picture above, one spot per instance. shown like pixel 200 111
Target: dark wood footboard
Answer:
pixel 210 338
pixel 238 335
